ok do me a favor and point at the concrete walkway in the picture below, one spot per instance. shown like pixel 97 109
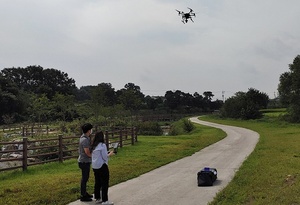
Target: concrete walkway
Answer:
pixel 176 183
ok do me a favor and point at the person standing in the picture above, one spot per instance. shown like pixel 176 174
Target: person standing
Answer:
pixel 100 157
pixel 84 160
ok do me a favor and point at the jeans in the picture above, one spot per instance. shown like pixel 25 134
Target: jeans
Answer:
pixel 85 175
pixel 101 181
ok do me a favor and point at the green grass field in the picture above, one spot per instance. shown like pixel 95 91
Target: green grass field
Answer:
pixel 270 175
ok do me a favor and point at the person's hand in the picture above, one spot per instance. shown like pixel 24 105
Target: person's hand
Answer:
pixel 111 153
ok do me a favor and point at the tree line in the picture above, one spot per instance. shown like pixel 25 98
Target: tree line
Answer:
pixel 41 95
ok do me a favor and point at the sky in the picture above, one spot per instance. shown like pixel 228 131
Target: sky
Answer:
pixel 233 45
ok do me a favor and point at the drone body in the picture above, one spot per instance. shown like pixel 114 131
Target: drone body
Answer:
pixel 186 16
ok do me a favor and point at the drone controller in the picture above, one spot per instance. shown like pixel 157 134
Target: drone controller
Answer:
pixel 115 146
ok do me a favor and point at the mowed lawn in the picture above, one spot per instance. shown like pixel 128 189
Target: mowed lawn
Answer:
pixel 271 174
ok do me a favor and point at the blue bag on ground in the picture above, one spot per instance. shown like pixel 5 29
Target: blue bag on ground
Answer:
pixel 207 176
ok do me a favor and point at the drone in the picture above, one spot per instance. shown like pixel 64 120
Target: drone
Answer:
pixel 186 16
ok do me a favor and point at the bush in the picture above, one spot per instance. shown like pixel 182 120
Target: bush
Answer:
pixel 188 126
pixel 149 128
pixel 181 127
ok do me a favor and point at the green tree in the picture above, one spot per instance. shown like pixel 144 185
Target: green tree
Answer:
pixel 63 107
pixel 103 94
pixel 38 80
pixel 245 105
pixel 289 90
pixel 39 108
pixel 12 103
pixel 131 97
pixel 173 99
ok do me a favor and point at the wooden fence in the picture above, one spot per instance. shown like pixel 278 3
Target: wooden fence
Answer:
pixel 24 153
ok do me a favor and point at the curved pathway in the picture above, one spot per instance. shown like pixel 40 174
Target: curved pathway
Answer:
pixel 176 182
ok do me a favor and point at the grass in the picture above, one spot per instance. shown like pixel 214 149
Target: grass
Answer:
pixel 58 183
pixel 271 173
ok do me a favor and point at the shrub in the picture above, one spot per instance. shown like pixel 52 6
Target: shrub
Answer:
pixel 188 126
pixel 149 128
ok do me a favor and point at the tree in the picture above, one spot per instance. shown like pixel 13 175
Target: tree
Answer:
pixel 173 99
pixel 152 102
pixel 38 80
pixel 63 107
pixel 11 100
pixel 39 108
pixel 289 90
pixel 245 105
pixel 103 94
pixel 131 96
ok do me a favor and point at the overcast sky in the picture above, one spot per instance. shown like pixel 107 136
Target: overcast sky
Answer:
pixel 233 45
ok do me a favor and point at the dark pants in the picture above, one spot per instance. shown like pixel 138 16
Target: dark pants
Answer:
pixel 101 181
pixel 85 175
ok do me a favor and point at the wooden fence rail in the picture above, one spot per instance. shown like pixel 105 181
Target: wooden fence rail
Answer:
pixel 21 154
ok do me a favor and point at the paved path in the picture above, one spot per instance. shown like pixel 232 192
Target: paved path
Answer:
pixel 176 183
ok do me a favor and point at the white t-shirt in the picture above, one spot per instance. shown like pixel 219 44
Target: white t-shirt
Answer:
pixel 99 156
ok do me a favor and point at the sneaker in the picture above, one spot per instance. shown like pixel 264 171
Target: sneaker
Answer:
pixel 98 201
pixel 85 198
pixel 108 203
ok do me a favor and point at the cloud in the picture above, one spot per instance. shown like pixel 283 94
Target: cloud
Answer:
pixel 232 45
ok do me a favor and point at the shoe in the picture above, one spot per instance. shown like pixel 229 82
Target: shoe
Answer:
pixel 89 195
pixel 98 201
pixel 85 198
pixel 108 203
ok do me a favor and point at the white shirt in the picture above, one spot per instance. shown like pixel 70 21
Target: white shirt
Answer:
pixel 99 156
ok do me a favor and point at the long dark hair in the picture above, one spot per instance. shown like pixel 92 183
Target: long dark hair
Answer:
pixel 99 137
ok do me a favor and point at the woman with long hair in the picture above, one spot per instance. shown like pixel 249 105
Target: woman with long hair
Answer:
pixel 100 168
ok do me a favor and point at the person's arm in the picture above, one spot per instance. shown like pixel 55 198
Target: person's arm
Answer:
pixel 110 153
pixel 87 152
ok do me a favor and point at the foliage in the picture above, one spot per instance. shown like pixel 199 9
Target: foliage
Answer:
pixel 289 90
pixel 180 127
pixel 188 126
pixel 149 128
pixel 130 96
pixel 245 105
pixel 41 95
pixel 11 99
pixel 38 80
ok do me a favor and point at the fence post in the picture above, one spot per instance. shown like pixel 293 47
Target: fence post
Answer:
pixel 135 134
pixel 121 138
pixel 25 151
pixel 132 136
pixel 31 131
pixel 60 148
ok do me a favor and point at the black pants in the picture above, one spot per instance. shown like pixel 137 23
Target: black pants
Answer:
pixel 101 181
pixel 85 175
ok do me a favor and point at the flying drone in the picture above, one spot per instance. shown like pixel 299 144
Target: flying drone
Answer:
pixel 186 16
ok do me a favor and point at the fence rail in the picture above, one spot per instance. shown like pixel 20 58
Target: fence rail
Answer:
pixel 21 154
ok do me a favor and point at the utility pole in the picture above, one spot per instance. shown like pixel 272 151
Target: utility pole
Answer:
pixel 223 96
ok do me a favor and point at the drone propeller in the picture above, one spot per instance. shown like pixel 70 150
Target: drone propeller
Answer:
pixel 179 12
pixel 191 10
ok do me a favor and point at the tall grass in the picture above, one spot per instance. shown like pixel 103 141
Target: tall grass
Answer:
pixel 58 183
pixel 271 173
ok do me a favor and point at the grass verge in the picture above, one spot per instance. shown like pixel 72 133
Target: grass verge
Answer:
pixel 271 173
pixel 58 183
